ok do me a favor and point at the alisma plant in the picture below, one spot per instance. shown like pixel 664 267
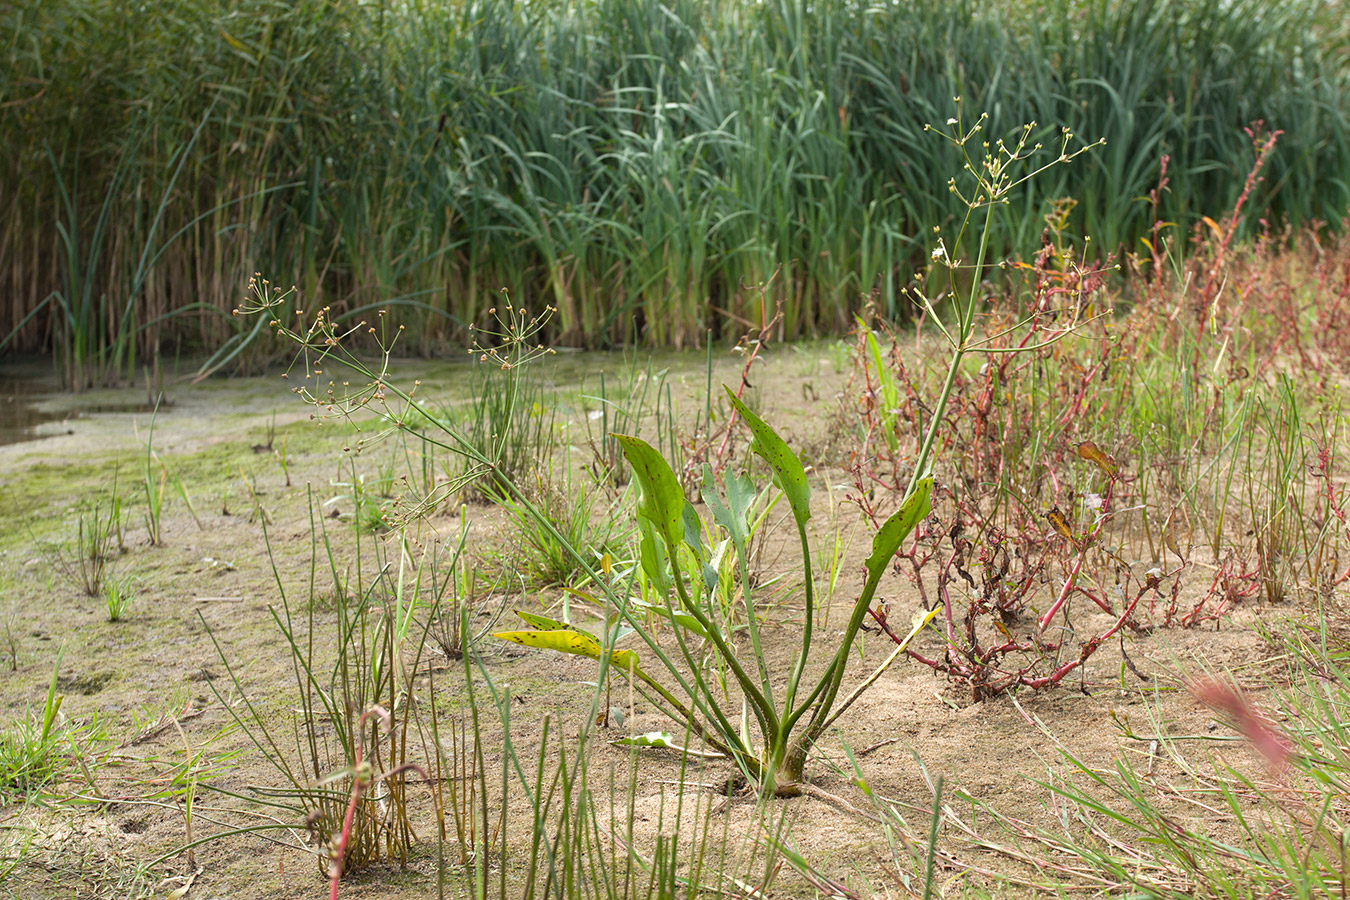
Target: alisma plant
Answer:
pixel 676 561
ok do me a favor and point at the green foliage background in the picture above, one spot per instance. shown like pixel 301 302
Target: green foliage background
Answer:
pixel 638 164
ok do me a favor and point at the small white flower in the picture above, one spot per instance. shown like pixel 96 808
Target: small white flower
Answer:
pixel 951 121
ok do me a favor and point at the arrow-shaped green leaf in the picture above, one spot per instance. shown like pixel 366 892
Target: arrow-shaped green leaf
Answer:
pixel 898 527
pixel 684 620
pixel 733 514
pixel 663 500
pixel 787 468
pixel 652 554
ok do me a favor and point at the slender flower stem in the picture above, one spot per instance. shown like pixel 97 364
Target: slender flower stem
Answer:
pixel 966 319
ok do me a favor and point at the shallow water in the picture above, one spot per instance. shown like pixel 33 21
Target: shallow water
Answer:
pixel 21 412
pixel 32 407
pixel 41 422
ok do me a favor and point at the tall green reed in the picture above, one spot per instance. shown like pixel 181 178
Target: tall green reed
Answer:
pixel 639 165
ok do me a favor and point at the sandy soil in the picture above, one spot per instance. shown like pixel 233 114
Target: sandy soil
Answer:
pixel 156 680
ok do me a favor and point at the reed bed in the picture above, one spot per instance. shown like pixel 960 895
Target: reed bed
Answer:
pixel 645 167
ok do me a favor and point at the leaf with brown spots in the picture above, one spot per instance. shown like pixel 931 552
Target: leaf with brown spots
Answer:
pixel 1060 523
pixel 1091 452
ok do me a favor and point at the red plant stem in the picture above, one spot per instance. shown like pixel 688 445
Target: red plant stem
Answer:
pixel 1064 595
pixel 335 867
pixel 946 599
pixel 1336 509
pixel 766 325
pixel 1083 544
pixel 1088 649
pixel 358 784
pixel 1021 677
pixel 1263 143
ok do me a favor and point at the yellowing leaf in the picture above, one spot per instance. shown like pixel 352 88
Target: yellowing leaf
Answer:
pixel 625 661
pixel 920 619
pixel 544 623
pixel 1091 452
pixel 564 641
pixel 577 643
pixel 1059 523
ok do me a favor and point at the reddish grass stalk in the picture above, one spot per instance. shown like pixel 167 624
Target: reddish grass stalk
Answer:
pixel 363 776
pixel 1263 143
pixel 1064 594
pixel 1253 724
pixel 751 344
